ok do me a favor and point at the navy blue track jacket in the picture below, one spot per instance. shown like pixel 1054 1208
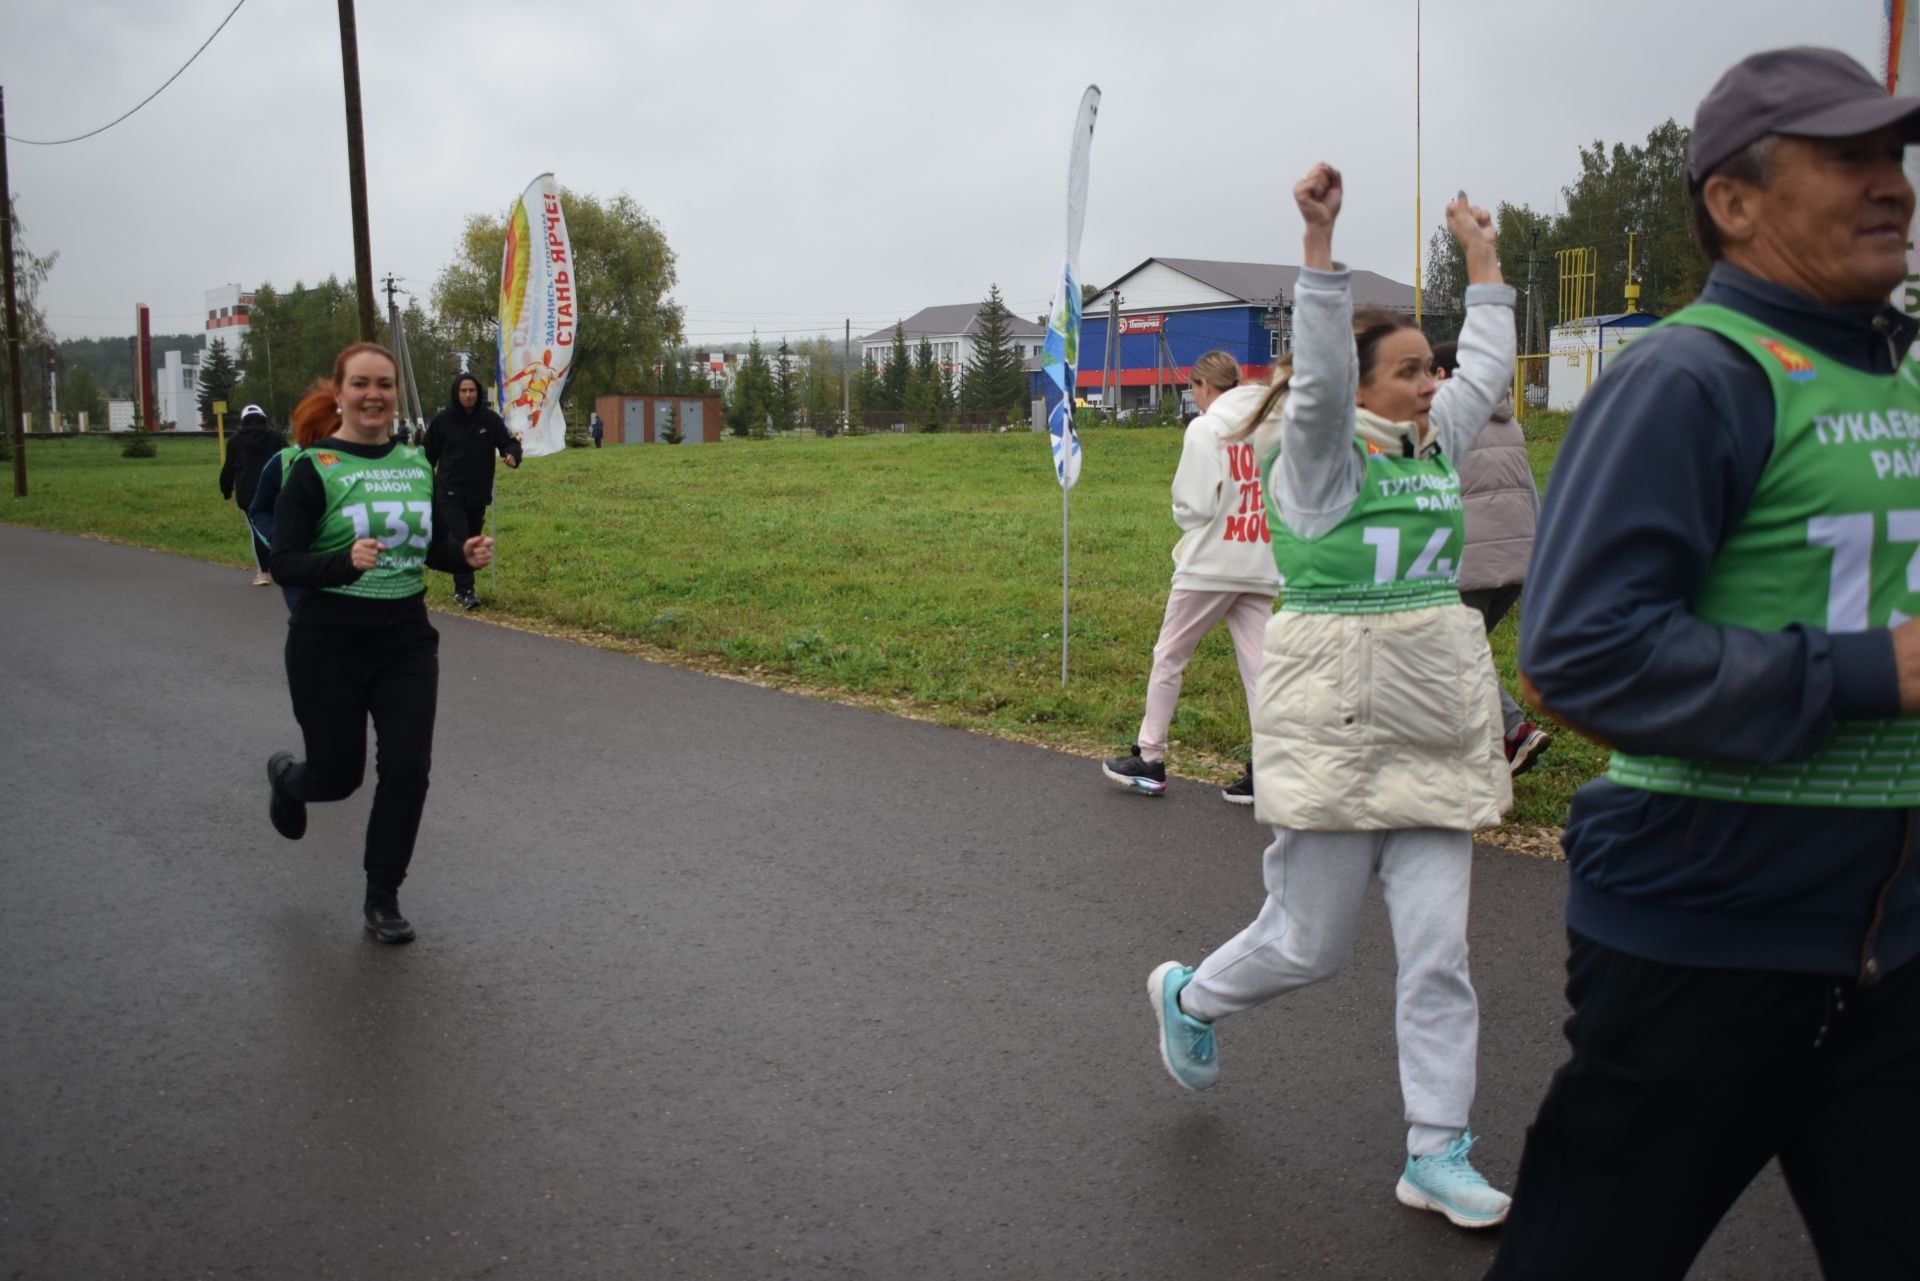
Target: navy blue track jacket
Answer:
pixel 1657 469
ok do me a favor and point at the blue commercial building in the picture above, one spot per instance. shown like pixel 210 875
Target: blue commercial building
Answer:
pixel 1174 310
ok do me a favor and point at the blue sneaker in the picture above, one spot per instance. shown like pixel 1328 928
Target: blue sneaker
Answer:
pixel 1186 1044
pixel 1449 1184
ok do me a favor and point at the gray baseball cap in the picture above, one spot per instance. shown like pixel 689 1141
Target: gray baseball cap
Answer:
pixel 1806 92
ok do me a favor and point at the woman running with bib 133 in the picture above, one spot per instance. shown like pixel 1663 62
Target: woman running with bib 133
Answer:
pixel 1376 732
pixel 353 528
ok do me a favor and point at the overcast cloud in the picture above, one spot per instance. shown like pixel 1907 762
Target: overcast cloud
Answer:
pixel 816 162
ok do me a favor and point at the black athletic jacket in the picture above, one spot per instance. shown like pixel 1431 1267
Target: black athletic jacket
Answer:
pixel 247 453
pixel 461 445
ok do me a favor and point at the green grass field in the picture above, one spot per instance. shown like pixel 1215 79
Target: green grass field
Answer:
pixel 917 572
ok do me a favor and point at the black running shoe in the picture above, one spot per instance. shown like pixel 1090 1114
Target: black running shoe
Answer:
pixel 289 817
pixel 1526 746
pixel 384 921
pixel 1240 793
pixel 466 600
pixel 1149 777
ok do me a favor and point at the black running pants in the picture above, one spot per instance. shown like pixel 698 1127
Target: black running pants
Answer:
pixel 339 676
pixel 1683 1083
pixel 458 522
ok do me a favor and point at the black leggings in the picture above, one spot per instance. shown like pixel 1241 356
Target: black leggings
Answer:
pixel 340 675
pixel 458 522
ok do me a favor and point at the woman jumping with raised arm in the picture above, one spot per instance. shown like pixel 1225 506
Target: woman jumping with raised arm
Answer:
pixel 1377 748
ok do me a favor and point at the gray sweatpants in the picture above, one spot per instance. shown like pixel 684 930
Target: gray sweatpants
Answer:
pixel 1316 887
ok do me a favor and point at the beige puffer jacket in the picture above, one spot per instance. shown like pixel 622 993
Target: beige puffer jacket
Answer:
pixel 1378 721
pixel 1384 721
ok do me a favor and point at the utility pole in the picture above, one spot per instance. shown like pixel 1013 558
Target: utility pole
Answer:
pixel 410 409
pixel 14 349
pixel 1113 357
pixel 846 378
pixel 357 173
pixel 1532 261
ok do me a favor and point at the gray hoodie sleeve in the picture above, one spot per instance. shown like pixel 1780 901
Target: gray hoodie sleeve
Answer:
pixel 1467 400
pixel 1319 473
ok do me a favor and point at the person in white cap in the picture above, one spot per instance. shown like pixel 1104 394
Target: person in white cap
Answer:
pixel 247 453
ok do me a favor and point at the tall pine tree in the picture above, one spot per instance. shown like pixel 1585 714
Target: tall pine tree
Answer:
pixel 217 376
pixel 784 399
pixel 923 395
pixel 864 395
pixel 995 382
pixel 755 390
pixel 899 370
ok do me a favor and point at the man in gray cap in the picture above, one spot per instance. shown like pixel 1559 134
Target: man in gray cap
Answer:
pixel 1720 591
pixel 247 453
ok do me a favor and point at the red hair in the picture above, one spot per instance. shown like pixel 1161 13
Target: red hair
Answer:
pixel 317 415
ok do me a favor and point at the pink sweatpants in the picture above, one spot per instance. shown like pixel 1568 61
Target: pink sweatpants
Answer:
pixel 1190 616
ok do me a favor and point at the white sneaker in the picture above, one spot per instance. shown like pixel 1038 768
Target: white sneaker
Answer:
pixel 1448 1184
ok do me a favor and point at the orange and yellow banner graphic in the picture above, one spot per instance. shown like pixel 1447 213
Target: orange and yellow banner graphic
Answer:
pixel 539 319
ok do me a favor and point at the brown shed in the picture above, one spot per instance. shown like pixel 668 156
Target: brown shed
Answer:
pixel 642 420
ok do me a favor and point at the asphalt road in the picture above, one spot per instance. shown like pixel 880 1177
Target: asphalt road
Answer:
pixel 712 981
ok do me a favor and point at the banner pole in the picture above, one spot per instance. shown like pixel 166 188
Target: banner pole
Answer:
pixel 493 566
pixel 1065 490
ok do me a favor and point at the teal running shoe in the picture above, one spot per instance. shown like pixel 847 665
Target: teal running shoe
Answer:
pixel 1186 1044
pixel 1448 1183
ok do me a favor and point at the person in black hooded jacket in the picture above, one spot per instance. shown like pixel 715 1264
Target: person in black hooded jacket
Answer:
pixel 247 453
pixel 462 441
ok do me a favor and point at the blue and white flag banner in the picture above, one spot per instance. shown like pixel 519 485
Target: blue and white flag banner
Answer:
pixel 1060 355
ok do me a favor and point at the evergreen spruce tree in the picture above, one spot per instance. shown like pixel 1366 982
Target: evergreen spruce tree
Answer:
pixel 893 380
pixel 784 401
pixel 756 390
pixel 139 441
pixel 949 393
pixel 924 394
pixel 671 433
pixel 217 376
pixel 864 395
pixel 995 381
pixel 735 411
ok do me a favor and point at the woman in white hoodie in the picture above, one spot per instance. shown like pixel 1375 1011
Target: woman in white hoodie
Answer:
pixel 1222 566
pixel 1376 730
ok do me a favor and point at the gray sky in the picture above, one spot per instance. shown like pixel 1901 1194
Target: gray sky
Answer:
pixel 814 162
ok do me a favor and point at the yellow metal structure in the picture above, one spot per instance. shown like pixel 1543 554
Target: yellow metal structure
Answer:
pixel 1579 284
pixel 1521 372
pixel 1633 286
pixel 220 426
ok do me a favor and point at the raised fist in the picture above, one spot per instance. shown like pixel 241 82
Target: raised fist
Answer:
pixel 1318 195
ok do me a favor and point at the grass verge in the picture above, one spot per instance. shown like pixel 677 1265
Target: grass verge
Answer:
pixel 919 573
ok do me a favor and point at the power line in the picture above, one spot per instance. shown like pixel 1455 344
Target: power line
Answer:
pixel 158 315
pixel 61 142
